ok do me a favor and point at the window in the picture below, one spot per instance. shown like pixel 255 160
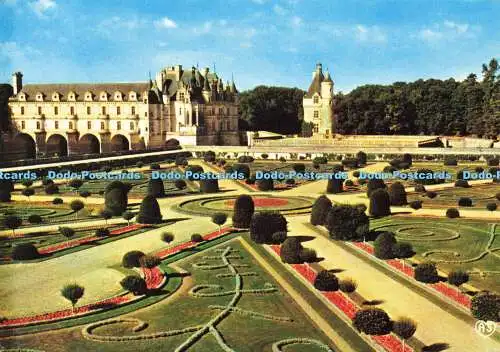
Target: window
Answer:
pixel 89 125
pixel 316 114
pixel 131 126
pixel 70 125
pixel 56 125
pixel 316 99
pixel 181 96
pixel 103 110
pixel 118 110
pixel 118 125
pixel 38 125
pixel 22 110
pixel 180 111
pixel 88 110
pixel 71 110
pixel 316 128
pixel 56 110
pixel 39 110
pixel 102 126
pixel 23 125
pixel 132 110
pixel 228 125
pixel 221 111
pixel 145 114
pixel 213 111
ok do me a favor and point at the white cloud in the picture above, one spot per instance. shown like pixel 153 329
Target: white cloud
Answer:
pixel 205 28
pixel 165 22
pixel 428 34
pixel 447 30
pixel 296 21
pixel 110 25
pixel 372 34
pixel 458 27
pixel 42 7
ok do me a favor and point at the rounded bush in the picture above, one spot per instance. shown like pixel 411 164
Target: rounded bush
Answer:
pixel 102 232
pixel 116 200
pixel 403 250
pixel 361 157
pixel 241 169
pixel 51 189
pixel 491 206
pixel 167 237
pixel 4 196
pixel 450 161
pixel 282 159
pixel 299 168
pixel 350 163
pixel 279 237
pixel 264 224
pixel 465 202
pixel 290 181
pixel 24 251
pixel 374 184
pixel 320 209
pixel 180 184
pixel 349 183
pixel 243 211
pixel 416 204
pixel 308 255
pixel 348 285
pixel 76 205
pixel 334 186
pixel 67 232
pixel 194 170
pixel 209 156
pixel 486 306
pixel 373 321
pixel 209 186
pixel 383 245
pixel 380 203
pixel 431 194
pixel 57 201
pixel 493 161
pixel 131 259
pixel 156 188
pixel 85 194
pixel 452 213
pixel 291 250
pixel 265 184
pixel 149 212
pixel 419 188
pixel 462 183
pixel 326 281
pixel 426 272
pixel 196 237
pixel 149 261
pixel 154 166
pixel 478 169
pixel 347 222
pixel 458 277
pixel 135 284
pixel 35 219
pixel 356 174
pixel 397 194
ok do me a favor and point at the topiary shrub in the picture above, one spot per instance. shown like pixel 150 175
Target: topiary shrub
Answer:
pixel 299 168
pixel 334 186
pixel 347 223
pixel 380 203
pixel 282 159
pixel 115 197
pixel 209 156
pixel 102 232
pixel 243 211
pixel 348 285
pixel 452 213
pixel 458 277
pixel 51 189
pixel 383 245
pixel 486 306
pixel 493 161
pixel 426 272
pixel 450 161
pixel 154 166
pixel 35 219
pixel 326 281
pixel 279 237
pixel 308 255
pixel 156 188
pixel 403 250
pixel 265 184
pixel 416 204
pixel 24 251
pixel 431 194
pixel 372 321
pixel 290 182
pixel 462 183
pixel 349 183
pixel 57 201
pixel 263 225
pixel 135 284
pixel 131 259
pixel 407 158
pixel 397 194
pixel 356 174
pixel 420 188
pixel 241 169
pixel 361 157
pixel 196 237
pixel 374 184
pixel 320 209
pixel 464 202
pixel 149 212
pixel 209 186
pixel 290 251
pixel 491 206
pixel 180 184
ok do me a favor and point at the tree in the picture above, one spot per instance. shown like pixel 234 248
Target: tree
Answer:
pixel 265 184
pixel 372 321
pixel 397 194
pixel 264 224
pixel 149 212
pixel 299 168
pixel 135 284
pixel 348 285
pixel 334 185
pixel 51 188
pixel 491 206
pixel 404 328
pixel 67 232
pixel 380 203
pixel 128 215
pixel 35 219
pixel 326 281
pixel 27 183
pixel 24 251
pixel 28 192
pixel 196 237
pixel 383 245
pixel 426 272
pixel 149 261
pixel 85 194
pixel 12 222
pixel 102 232
pixel 75 184
pixel 458 277
pixel 290 251
pixel 116 200
pixel 403 250
pixel 131 259
pixel 486 306
pixel 374 184
pixel 347 223
pixel 72 293
pixel 243 211
pixel 209 186
pixel 76 205
pixel 320 209
pixel 452 213
pixel 361 156
pixel 167 237
pixel 219 219
pixel 106 215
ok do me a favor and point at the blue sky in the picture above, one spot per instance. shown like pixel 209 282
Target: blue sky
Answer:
pixel 274 42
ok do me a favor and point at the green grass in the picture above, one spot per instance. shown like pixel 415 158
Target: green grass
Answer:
pixel 480 195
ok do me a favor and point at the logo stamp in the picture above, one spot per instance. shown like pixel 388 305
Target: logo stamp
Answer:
pixel 485 328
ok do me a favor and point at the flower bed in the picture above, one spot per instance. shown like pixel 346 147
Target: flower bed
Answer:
pixel 153 277
pixel 444 289
pixel 262 202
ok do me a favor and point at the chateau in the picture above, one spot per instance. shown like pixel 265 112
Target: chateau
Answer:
pixel 318 103
pixel 185 106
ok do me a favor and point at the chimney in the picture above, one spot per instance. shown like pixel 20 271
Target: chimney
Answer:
pixel 205 71
pixel 17 82
pixel 178 72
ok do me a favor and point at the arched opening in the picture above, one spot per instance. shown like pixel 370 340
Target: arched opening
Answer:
pixel 172 143
pixel 24 146
pixel 57 145
pixel 89 144
pixel 119 143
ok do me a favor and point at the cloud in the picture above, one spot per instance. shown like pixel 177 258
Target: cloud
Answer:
pixel 372 34
pixel 448 30
pixel 459 28
pixel 279 10
pixel 165 22
pixel 109 26
pixel 296 21
pixel 259 2
pixel 42 7
pixel 429 34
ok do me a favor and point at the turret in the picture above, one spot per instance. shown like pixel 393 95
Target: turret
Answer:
pixel 17 82
pixel 318 71
pixel 327 87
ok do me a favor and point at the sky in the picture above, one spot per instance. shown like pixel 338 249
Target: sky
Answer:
pixel 270 42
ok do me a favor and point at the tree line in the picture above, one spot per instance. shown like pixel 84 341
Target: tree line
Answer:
pixel 427 107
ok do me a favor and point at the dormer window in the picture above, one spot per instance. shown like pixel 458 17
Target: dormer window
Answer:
pixel 132 96
pixel 118 96
pixel 103 96
pixel 71 96
pixel 55 97
pixel 181 96
pixel 88 96
pixel 39 97
pixel 316 99
pixel 22 97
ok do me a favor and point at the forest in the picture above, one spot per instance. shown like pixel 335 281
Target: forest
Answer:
pixel 427 107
